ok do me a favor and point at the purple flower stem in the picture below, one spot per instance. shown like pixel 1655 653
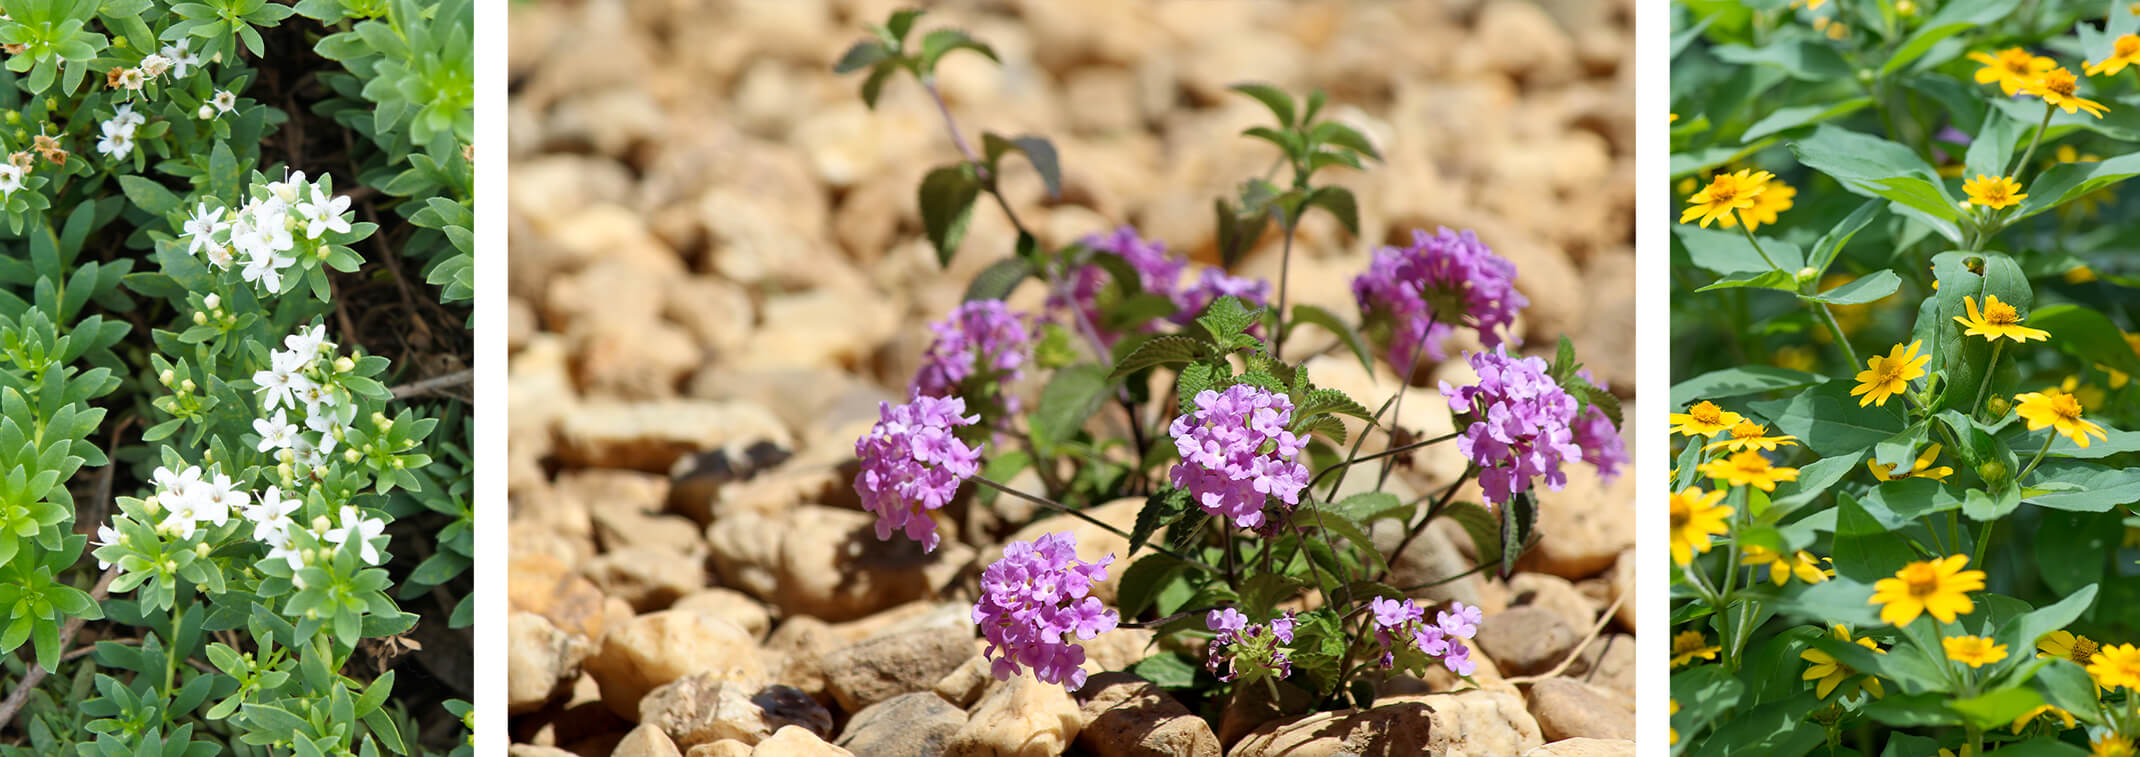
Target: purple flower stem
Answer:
pixel 1399 450
pixel 1403 382
pixel 1433 510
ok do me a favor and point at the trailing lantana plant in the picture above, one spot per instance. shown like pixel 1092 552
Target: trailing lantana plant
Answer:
pixel 158 264
pixel 1901 494
pixel 1243 559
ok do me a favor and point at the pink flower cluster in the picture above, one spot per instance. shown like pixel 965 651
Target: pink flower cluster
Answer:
pixel 1157 273
pixel 1405 620
pixel 1236 453
pixel 984 338
pixel 1520 428
pixel 1601 442
pixel 1033 601
pixel 1442 280
pixel 912 462
pixel 1234 635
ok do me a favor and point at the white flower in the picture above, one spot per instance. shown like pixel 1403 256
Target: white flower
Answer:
pixel 266 268
pixel 323 214
pixel 283 544
pixel 10 178
pixel 188 512
pixel 206 221
pixel 206 112
pixel 106 536
pixel 224 101
pixel 325 424
pixel 318 401
pixel 310 455
pixel 222 498
pixel 290 190
pixel 182 59
pixel 219 256
pixel 127 117
pixel 365 529
pixel 176 484
pixel 118 140
pixel 280 381
pixel 154 65
pixel 271 518
pixel 307 342
pixel 132 79
pixel 275 432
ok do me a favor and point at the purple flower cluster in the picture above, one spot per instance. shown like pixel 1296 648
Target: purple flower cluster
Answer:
pixel 1157 273
pixel 1236 452
pixel 913 462
pixel 1237 638
pixel 1213 284
pixel 1521 424
pixel 1406 620
pixel 1601 442
pixel 983 337
pixel 1424 290
pixel 1033 600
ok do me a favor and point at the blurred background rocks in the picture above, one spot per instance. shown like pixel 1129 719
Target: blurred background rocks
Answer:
pixel 718 270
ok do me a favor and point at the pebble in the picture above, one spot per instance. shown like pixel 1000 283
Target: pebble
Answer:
pixel 887 666
pixel 1127 716
pixel 1569 709
pixel 1021 717
pixel 702 709
pixel 539 659
pixel 656 648
pixel 1526 640
pixel 917 724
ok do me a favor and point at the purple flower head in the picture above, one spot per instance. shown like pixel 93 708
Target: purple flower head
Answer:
pixel 1460 620
pixel 912 461
pixel 1459 660
pixel 1239 647
pixel 1521 424
pixel 1033 601
pixel 1157 273
pixel 1442 280
pixel 1225 466
pixel 1405 620
pixel 981 338
pixel 1214 283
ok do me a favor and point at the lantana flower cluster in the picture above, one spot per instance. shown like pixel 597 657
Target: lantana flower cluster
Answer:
pixel 1522 424
pixel 263 237
pixel 1236 453
pixel 1401 627
pixel 984 338
pixel 913 462
pixel 1036 605
pixel 1245 649
pixel 1158 272
pixel 1423 291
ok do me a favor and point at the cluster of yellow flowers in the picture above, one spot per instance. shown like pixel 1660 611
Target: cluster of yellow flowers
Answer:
pixel 1749 196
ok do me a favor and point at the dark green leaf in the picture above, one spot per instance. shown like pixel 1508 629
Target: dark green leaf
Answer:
pixel 947 196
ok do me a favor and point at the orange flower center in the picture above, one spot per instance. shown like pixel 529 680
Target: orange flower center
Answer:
pixel 2001 314
pixel 1682 513
pixel 1748 430
pixel 2066 407
pixel 1707 412
pixel 1750 464
pixel 1922 579
pixel 1995 193
pixel 1687 642
pixel 1886 371
pixel 2125 47
pixel 2062 84
pixel 2084 649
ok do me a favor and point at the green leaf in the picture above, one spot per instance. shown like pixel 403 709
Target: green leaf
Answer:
pixel 1728 252
pixel 2087 335
pixel 1830 421
pixel 1167 670
pixel 1068 400
pixel 1859 291
pixel 1367 507
pixel 941 42
pixel 2088 487
pixel 1280 103
pixel 1831 244
pixel 1482 526
pixel 1164 508
pixel 1865 550
pixel 1037 150
pixel 1338 200
pixel 1324 516
pixel 1738 382
pixel 862 55
pixel 1997 708
pixel 1143 581
pixel 1952 19
pixel 997 280
pixel 1171 349
pixel 1869 165
pixel 947 196
pixel 1786 119
pixel 1305 313
pixel 148 195
pixel 1801 58
pixel 2066 182
pixel 1320 401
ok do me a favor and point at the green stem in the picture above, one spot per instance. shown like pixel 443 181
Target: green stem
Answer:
pixel 1983 538
pixel 2048 440
pixel 1757 245
pixel 2041 127
pixel 1067 510
pixel 1836 330
pixel 1984 389
pixel 1285 264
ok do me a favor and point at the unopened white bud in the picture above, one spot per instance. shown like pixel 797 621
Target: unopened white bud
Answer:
pixel 213 301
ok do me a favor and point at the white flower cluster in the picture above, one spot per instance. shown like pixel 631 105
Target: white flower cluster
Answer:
pixel 265 230
pixel 288 385
pixel 118 131
pixel 191 497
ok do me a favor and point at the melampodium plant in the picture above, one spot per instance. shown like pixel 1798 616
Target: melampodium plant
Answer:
pixel 1243 559
pixel 168 279
pixel 1901 494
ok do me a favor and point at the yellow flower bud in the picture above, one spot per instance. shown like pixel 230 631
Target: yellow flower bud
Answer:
pixel 1998 406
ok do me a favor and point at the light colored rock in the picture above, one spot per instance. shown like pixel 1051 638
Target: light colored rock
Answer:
pixel 656 648
pixel 1608 663
pixel 702 709
pixel 887 666
pixel 649 436
pixel 646 741
pixel 1526 640
pixel 729 605
pixel 918 724
pixel 1585 747
pixel 1580 538
pixel 648 579
pixel 531 750
pixel 823 328
pixel 1623 589
pixel 1127 716
pixel 1554 594
pixel 795 741
pixel 725 748
pixel 966 683
pixel 542 584
pixel 1472 722
pixel 1568 709
pixel 539 659
pixel 1022 717
pixel 826 562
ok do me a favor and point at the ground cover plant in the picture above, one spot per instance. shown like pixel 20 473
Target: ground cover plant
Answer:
pixel 1258 579
pixel 1903 404
pixel 234 423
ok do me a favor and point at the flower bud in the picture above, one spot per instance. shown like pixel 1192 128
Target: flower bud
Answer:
pixel 201 549
pixel 380 422
pixel 166 377
pixel 1998 406
pixel 344 365
pixel 1905 7
pixel 199 318
pixel 169 566
pixel 320 523
pixel 206 112
pixel 400 463
pixel 186 386
pixel 1807 274
pixel 151 505
pixel 351 455
pixel 213 301
pixel 14 117
pixel 1993 472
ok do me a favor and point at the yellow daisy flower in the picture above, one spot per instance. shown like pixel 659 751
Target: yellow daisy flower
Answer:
pixel 2068 645
pixel 2125 51
pixel 1696 517
pixel 1940 587
pixel 1994 193
pixel 1973 651
pixel 1888 375
pixel 1748 468
pixel 1921 469
pixel 1751 435
pixel 2046 711
pixel 1727 192
pixel 1774 199
pixel 2057 87
pixel 2011 69
pixel 2110 745
pixel 1689 646
pixel 1781 568
pixel 1704 419
pixel 1831 672
pixel 1675 730
pixel 2060 412
pixel 1997 319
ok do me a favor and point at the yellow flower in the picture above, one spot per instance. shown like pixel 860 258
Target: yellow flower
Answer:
pixel 1996 320
pixel 1781 568
pixel 2057 87
pixel 1993 193
pixel 1726 192
pixel 2013 68
pixel 1704 419
pixel 2059 411
pixel 1675 731
pixel 1775 199
pixel 2051 711
pixel 1831 672
pixel 1748 468
pixel 1691 645
pixel 2079 274
pixel 2068 645
pixel 1751 435
pixel 1695 518
pixel 2123 52
pixel 1795 357
pixel 1940 587
pixel 2090 395
pixel 1921 469
pixel 2110 745
pixel 1889 375
pixel 1973 651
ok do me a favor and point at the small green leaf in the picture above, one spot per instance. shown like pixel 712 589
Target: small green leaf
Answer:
pixel 862 55
pixel 1280 103
pixel 1172 349
pixel 947 196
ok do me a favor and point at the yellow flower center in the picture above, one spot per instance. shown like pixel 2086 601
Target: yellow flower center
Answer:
pixel 1750 463
pixel 2066 407
pixel 2084 650
pixel 1922 579
pixel 2001 314
pixel 2126 46
pixel 2061 83
pixel 1688 642
pixel 1708 413
pixel 2016 65
pixel 1681 513
pixel 1995 194
pixel 1748 430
